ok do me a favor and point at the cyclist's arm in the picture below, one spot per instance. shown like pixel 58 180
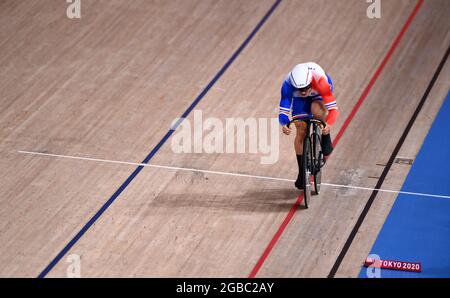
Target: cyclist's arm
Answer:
pixel 285 105
pixel 329 101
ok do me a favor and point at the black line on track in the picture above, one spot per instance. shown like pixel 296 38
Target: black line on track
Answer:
pixel 363 214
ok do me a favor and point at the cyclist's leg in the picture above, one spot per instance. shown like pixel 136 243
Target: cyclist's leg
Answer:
pixel 301 109
pixel 300 128
pixel 320 111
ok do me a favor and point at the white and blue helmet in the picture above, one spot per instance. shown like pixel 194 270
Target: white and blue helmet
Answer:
pixel 301 76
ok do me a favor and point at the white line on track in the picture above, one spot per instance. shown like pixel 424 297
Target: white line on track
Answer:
pixel 225 173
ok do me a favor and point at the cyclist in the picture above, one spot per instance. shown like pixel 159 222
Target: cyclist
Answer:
pixel 307 91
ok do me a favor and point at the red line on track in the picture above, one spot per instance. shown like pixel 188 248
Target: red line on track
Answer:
pixel 347 122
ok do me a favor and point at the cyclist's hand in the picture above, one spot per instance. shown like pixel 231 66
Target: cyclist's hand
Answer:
pixel 326 129
pixel 286 130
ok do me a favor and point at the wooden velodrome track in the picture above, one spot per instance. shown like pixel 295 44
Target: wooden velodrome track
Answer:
pixel 109 85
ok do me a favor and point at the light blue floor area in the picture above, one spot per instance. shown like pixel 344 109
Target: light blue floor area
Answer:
pixel 418 228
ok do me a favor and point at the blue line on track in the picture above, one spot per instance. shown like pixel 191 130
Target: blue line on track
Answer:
pixel 158 146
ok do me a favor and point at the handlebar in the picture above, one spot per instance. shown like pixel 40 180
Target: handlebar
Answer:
pixel 313 120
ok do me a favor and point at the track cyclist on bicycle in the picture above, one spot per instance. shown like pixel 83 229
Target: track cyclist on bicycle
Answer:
pixel 307 91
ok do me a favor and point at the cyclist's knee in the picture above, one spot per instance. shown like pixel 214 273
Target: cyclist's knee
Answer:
pixel 300 128
pixel 319 110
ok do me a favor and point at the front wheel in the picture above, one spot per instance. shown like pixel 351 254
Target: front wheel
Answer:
pixel 307 169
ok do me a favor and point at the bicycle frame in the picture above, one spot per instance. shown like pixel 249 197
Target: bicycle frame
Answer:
pixel 312 156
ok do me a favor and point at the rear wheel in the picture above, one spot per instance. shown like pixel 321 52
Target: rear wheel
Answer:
pixel 307 169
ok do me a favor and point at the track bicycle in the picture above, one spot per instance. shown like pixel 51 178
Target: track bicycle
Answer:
pixel 313 159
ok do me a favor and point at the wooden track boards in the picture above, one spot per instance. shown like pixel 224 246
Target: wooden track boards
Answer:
pixel 109 85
